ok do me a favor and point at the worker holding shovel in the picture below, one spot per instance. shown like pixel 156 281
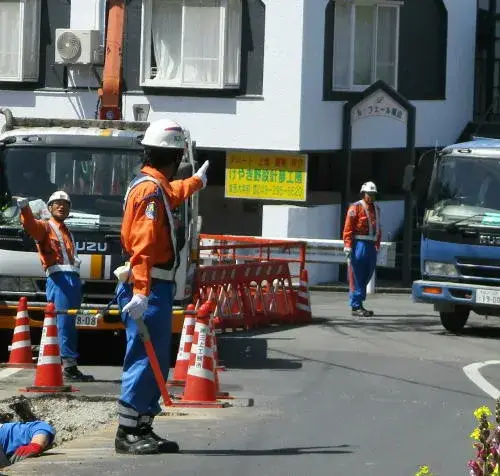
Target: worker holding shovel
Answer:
pixel 146 292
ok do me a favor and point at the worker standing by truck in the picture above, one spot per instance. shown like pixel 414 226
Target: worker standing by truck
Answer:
pixel 148 288
pixel 362 234
pixel 57 252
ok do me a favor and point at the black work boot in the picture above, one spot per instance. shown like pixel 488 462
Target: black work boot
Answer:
pixel 146 428
pixel 73 374
pixel 133 441
pixel 360 312
pixel 367 312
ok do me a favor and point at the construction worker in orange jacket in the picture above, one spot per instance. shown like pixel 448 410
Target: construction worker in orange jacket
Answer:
pixel 361 237
pixel 57 251
pixel 149 242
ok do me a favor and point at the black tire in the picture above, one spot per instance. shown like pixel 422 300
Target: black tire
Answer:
pixel 456 320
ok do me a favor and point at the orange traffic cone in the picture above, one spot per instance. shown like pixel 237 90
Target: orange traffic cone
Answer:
pixel 200 382
pixel 48 376
pixel 182 362
pixel 303 303
pixel 21 355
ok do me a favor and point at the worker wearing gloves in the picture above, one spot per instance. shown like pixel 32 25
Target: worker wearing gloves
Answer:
pixel 147 292
pixel 361 237
pixel 57 251
pixel 24 440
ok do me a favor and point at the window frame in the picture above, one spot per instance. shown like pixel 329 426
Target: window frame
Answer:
pixel 30 21
pixel 146 47
pixel 397 4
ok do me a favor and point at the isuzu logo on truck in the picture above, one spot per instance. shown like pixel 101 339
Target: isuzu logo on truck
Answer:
pixel 492 240
pixel 93 246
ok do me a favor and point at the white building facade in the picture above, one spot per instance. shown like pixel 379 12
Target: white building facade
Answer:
pixel 264 76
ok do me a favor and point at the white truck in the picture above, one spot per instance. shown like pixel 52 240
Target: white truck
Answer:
pixel 93 161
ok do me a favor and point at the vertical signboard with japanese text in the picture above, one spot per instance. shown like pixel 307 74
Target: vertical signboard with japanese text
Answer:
pixel 266 176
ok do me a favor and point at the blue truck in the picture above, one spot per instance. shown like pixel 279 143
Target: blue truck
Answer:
pixel 460 234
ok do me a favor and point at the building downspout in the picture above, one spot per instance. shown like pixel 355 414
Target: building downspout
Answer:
pixel 110 93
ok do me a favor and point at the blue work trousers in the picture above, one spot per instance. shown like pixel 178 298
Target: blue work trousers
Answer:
pixel 64 289
pixel 139 388
pixel 361 269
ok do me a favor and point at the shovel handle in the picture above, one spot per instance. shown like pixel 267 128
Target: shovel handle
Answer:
pixel 153 360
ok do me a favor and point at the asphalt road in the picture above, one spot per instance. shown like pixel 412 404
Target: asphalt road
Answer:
pixel 371 397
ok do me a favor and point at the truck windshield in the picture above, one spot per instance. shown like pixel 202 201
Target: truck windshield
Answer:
pixel 465 189
pixel 95 179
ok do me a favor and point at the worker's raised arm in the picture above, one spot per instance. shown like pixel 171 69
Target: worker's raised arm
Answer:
pixel 183 189
pixel 37 229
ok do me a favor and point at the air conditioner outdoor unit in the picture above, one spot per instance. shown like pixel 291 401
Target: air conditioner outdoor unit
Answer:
pixel 77 46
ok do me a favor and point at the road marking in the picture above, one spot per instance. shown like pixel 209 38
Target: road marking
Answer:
pixel 472 372
pixel 4 373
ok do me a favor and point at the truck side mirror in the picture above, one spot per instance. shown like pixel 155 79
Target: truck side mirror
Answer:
pixel 409 178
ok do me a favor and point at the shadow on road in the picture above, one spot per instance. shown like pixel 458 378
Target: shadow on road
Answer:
pixel 251 353
pixel 377 374
pixel 327 450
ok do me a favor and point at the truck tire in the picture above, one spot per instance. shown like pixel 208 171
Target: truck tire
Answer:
pixel 454 321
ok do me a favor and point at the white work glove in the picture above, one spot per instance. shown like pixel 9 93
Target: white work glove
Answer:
pixel 137 306
pixel 21 202
pixel 202 173
pixel 347 253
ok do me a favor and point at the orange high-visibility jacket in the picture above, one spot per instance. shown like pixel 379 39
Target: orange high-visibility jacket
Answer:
pixel 145 232
pixel 55 243
pixel 357 225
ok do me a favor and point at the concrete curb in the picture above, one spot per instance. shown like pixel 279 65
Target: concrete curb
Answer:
pixel 344 288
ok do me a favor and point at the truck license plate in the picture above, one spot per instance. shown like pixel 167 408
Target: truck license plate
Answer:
pixel 484 296
pixel 86 320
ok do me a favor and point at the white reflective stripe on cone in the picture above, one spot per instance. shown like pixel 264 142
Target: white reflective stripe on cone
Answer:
pixel 20 344
pixel 50 321
pixel 201 373
pixel 303 294
pixel 21 314
pixel 303 307
pixel 50 341
pixel 19 329
pixel 208 351
pixel 49 359
pixel 183 355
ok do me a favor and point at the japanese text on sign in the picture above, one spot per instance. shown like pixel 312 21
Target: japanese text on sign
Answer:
pixel 266 176
pixel 379 104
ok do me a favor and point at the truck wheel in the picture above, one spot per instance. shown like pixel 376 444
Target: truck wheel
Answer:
pixel 454 321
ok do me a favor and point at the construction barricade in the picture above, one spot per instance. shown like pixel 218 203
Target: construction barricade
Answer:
pixel 249 295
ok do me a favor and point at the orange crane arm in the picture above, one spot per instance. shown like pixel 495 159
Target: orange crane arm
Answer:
pixel 110 93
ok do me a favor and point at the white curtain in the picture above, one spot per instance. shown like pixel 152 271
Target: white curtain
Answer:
pixel 363 45
pixel 386 44
pixel 201 42
pixel 233 45
pixel 10 24
pixel 342 42
pixel 166 34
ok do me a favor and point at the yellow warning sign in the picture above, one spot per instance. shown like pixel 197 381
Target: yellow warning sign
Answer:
pixel 266 176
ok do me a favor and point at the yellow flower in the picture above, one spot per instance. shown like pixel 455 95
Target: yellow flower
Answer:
pixel 482 411
pixel 496 471
pixel 475 434
pixel 423 470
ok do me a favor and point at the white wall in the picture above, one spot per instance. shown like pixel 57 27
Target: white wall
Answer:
pixel 441 121
pixel 274 122
pixel 271 123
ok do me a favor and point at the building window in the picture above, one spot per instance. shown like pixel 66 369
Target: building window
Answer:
pixel 191 43
pixel 366 46
pixel 19 40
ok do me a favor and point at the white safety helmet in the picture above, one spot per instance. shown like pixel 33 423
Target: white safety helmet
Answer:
pixel 164 133
pixel 368 187
pixel 59 195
